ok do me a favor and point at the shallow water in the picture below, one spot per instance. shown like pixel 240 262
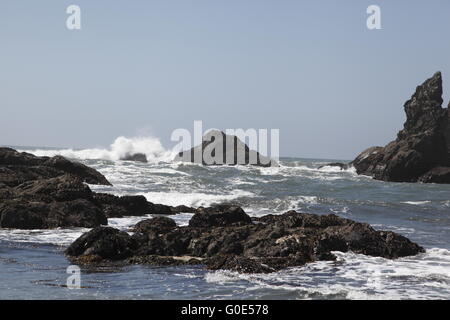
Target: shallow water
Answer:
pixel 33 267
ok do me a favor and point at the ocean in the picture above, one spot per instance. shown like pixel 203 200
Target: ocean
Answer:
pixel 33 266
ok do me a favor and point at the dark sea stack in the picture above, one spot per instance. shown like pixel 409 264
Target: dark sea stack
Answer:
pixel 226 238
pixel 138 157
pixel 421 151
pixel 229 146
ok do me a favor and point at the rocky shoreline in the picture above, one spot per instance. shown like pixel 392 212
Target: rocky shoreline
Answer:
pixel 225 237
pixel 46 193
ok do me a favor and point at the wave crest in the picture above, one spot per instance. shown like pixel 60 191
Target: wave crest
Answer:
pixel 120 148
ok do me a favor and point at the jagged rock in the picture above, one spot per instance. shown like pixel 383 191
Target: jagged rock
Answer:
pixel 220 215
pixel 436 175
pixel 105 243
pixel 423 144
pixel 40 215
pixel 51 203
pixel 43 193
pixel 87 174
pixel 138 157
pixel 218 148
pixel 18 167
pixel 62 188
pixel 64 201
pixel 225 238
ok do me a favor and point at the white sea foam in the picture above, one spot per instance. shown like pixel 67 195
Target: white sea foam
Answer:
pixel 240 181
pixel 418 203
pixel 43 236
pixel 355 276
pixel 194 199
pixel 307 199
pixel 327 173
pixel 61 236
pixel 120 148
pixel 334 169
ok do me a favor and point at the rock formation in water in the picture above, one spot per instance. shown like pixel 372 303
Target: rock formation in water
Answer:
pixel 218 148
pixel 45 193
pixel 138 157
pixel 225 237
pixel 421 151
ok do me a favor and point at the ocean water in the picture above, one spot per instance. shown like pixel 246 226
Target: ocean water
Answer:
pixel 33 266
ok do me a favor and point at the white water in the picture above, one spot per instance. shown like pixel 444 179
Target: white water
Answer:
pixel 120 148
pixel 355 276
pixel 417 211
pixel 194 199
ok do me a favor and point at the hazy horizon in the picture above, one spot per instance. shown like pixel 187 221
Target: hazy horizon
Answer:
pixel 311 69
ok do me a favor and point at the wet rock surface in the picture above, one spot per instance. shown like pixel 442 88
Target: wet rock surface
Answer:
pixel 225 237
pixel 46 193
pixel 421 151
pixel 64 201
pixel 18 167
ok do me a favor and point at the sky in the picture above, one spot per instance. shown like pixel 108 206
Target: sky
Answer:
pixel 311 69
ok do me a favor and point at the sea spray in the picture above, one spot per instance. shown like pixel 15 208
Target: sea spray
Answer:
pixel 121 147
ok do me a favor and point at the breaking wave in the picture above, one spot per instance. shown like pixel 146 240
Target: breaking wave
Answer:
pixel 194 199
pixel 120 148
pixel 353 276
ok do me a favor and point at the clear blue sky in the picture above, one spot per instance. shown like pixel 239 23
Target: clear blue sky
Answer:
pixel 310 68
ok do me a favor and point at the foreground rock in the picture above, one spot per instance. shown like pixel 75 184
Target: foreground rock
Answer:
pixel 63 201
pixel 43 193
pixel 18 167
pixel 46 193
pixel 225 237
pixel 218 148
pixel 421 151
